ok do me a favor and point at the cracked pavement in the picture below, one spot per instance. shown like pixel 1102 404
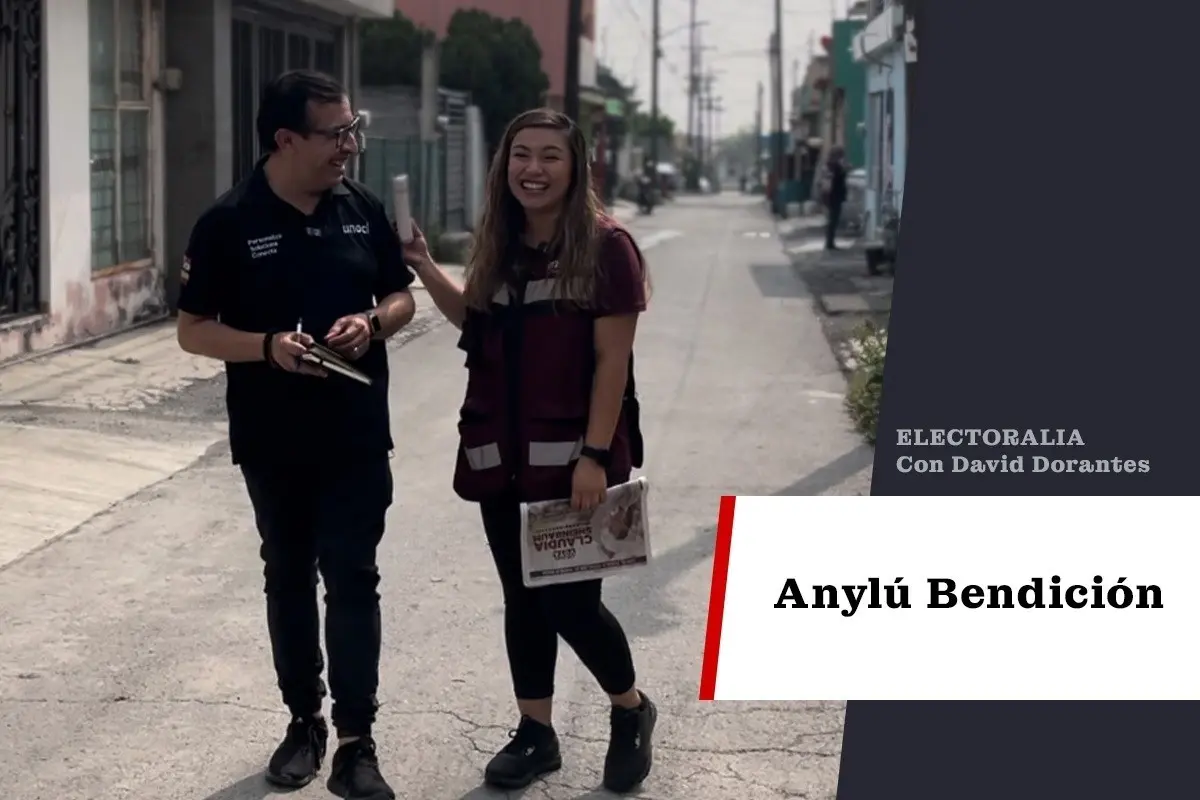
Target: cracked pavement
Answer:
pixel 134 662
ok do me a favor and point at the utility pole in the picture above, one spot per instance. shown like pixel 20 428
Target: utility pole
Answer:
pixel 655 35
pixel 574 34
pixel 711 107
pixel 703 118
pixel 757 128
pixel 758 134
pixel 693 88
pixel 714 126
pixel 777 134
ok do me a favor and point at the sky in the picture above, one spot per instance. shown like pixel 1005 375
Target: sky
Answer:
pixel 735 37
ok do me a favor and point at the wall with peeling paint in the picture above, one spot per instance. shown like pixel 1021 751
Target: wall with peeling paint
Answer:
pixel 78 304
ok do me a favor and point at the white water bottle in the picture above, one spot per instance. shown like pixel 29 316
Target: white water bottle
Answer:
pixel 403 208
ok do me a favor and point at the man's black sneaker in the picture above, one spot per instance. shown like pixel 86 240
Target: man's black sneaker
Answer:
pixel 630 750
pixel 532 752
pixel 298 758
pixel 354 773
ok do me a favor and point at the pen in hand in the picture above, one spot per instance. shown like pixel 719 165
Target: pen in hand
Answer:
pixel 304 340
pixel 298 346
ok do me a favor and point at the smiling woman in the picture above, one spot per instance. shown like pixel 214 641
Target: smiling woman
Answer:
pixel 539 170
pixel 548 316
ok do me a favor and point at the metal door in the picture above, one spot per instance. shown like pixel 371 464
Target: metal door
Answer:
pixel 20 156
pixel 264 44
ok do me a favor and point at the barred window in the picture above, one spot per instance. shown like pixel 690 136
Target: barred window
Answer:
pixel 121 92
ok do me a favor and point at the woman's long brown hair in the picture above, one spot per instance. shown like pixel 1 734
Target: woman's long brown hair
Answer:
pixel 498 237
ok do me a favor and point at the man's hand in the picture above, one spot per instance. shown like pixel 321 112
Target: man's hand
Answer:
pixel 350 336
pixel 286 349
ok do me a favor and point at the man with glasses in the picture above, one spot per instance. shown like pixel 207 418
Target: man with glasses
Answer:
pixel 298 254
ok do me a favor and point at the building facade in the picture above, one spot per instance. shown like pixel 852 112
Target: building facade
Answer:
pixel 123 120
pixel 880 48
pixel 845 101
pixel 547 20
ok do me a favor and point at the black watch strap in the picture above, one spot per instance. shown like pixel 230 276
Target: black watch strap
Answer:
pixel 268 340
pixel 601 457
pixel 376 325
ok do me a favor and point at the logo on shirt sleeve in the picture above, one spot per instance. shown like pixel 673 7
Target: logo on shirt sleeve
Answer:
pixel 186 270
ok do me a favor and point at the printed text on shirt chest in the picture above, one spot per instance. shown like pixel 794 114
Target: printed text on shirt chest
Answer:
pixel 269 244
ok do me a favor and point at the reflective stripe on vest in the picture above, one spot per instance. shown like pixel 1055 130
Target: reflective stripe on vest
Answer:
pixel 541 454
pixel 486 456
pixel 539 291
pixel 554 454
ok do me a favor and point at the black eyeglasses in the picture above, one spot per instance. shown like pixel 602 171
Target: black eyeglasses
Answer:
pixel 343 133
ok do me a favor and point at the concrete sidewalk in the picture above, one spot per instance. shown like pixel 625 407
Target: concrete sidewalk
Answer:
pixel 68 450
pixel 83 429
pixel 844 293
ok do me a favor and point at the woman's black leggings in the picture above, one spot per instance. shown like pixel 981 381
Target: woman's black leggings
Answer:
pixel 535 618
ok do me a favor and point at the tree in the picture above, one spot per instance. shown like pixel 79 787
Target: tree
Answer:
pixel 390 50
pixel 643 126
pixel 640 123
pixel 498 62
pixel 608 83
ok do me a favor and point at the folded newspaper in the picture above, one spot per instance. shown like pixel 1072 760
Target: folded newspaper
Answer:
pixel 560 545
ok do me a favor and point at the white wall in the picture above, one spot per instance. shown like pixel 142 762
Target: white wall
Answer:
pixel 886 69
pixel 66 177
pixel 79 304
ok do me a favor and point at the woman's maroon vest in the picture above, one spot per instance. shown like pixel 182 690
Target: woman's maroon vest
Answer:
pixel 530 364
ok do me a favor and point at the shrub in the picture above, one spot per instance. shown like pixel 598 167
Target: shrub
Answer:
pixel 868 345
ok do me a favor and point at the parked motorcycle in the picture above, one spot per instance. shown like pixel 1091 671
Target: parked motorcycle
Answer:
pixel 645 196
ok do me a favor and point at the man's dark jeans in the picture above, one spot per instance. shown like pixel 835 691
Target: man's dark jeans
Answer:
pixel 835 216
pixel 332 520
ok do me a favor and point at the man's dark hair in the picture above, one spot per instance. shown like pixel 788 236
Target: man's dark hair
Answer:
pixel 285 100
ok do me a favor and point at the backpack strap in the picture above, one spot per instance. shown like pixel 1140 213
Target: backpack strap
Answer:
pixel 632 406
pixel 633 416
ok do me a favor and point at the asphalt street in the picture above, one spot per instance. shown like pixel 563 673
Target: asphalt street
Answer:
pixel 133 656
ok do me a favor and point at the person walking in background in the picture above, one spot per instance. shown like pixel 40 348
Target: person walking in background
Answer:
pixel 836 194
pixel 548 315
pixel 293 253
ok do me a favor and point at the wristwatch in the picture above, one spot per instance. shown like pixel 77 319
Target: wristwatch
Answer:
pixel 373 318
pixel 601 457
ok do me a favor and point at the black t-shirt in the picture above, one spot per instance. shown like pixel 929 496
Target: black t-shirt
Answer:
pixel 260 265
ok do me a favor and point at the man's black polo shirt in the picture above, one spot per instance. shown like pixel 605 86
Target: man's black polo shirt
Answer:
pixel 259 264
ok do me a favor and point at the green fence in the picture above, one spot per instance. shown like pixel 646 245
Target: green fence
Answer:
pixel 384 159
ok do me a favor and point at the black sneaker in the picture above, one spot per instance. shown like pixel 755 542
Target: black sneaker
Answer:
pixel 354 773
pixel 532 752
pixel 298 758
pixel 630 750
